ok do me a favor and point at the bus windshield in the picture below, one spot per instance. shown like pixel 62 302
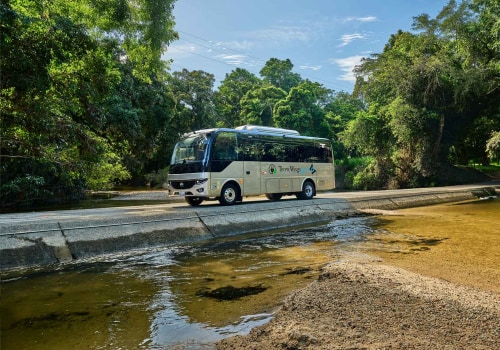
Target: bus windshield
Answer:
pixel 189 149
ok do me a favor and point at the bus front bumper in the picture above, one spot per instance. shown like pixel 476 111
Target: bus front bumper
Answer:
pixel 196 188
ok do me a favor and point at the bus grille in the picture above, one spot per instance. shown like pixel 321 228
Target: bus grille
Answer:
pixel 180 185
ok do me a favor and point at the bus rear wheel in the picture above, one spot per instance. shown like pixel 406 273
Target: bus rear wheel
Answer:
pixel 229 194
pixel 274 196
pixel 194 201
pixel 307 191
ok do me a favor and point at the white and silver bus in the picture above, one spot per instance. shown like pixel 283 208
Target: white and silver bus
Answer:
pixel 229 164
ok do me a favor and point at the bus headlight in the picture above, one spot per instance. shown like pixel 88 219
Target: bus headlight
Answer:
pixel 201 181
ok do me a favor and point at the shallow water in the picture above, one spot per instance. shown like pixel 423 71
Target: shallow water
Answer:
pixel 184 296
pixel 187 297
pixel 457 242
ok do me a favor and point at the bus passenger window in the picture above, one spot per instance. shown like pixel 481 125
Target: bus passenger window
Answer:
pixel 225 147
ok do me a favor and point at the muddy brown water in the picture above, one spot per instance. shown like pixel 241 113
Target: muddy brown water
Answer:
pixel 187 297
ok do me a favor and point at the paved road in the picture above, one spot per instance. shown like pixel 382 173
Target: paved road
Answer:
pixel 40 238
pixel 180 206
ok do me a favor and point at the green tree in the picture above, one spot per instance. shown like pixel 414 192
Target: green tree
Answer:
pixel 369 135
pixel 493 146
pixel 62 67
pixel 302 110
pixel 231 91
pixel 340 109
pixel 279 74
pixel 194 95
pixel 434 85
pixel 140 122
pixel 414 132
pixel 257 105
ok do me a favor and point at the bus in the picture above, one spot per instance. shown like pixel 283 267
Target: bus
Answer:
pixel 229 164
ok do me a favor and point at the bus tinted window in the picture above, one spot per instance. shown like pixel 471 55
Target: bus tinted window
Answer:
pixel 278 149
pixel 225 147
pixel 250 148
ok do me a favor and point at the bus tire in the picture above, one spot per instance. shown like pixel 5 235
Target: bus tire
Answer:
pixel 274 196
pixel 194 201
pixel 230 194
pixel 307 191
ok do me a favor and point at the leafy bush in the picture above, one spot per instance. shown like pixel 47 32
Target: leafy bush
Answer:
pixel 493 146
pixel 103 174
pixel 157 178
pixel 23 191
pixel 370 177
pixel 352 173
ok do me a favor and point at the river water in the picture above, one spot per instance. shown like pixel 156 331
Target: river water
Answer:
pixel 187 297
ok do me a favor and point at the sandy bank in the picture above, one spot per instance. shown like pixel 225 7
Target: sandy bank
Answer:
pixel 427 278
pixel 368 305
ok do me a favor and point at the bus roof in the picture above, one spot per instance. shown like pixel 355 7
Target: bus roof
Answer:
pixel 258 130
pixel 268 130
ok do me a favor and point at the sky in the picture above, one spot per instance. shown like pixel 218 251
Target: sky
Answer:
pixel 323 39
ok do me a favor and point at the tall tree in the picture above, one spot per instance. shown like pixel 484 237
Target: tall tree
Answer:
pixel 279 74
pixel 231 91
pixel 195 98
pixel 62 65
pixel 340 109
pixel 302 110
pixel 439 80
pixel 257 105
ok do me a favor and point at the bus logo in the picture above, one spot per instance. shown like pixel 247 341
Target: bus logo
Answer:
pixel 272 169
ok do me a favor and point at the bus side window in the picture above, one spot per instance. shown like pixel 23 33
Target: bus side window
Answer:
pixel 323 153
pixel 268 153
pixel 292 153
pixel 225 147
pixel 306 152
pixel 249 148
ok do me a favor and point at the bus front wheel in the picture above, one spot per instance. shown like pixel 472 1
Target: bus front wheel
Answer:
pixel 229 194
pixel 307 191
pixel 194 201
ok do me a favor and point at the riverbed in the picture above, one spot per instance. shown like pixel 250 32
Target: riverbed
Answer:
pixel 192 296
pixel 426 278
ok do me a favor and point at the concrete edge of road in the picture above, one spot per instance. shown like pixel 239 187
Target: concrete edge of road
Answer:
pixel 29 244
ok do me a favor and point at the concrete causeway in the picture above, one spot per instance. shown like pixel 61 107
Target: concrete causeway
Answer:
pixel 53 237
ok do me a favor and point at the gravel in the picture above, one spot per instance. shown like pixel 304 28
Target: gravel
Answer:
pixel 367 305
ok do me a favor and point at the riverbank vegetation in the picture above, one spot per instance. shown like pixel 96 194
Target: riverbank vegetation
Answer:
pixel 88 99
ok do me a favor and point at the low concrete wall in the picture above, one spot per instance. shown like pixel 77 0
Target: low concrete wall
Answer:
pixel 414 200
pixel 61 237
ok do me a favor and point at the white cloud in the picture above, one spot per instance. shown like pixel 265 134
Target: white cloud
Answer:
pixel 180 51
pixel 284 34
pixel 347 65
pixel 244 45
pixel 348 38
pixel 233 59
pixel 361 19
pixel 306 67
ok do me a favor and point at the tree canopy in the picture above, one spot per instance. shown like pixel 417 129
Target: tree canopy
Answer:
pixel 87 101
pixel 437 91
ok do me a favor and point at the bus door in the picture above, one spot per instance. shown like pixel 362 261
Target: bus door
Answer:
pixel 251 165
pixel 225 161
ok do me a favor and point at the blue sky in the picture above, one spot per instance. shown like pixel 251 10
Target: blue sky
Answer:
pixel 324 39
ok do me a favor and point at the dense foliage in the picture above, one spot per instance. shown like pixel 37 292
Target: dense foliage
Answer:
pixel 433 95
pixel 86 100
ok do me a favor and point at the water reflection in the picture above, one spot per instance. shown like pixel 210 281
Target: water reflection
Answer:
pixel 75 309
pixel 164 298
